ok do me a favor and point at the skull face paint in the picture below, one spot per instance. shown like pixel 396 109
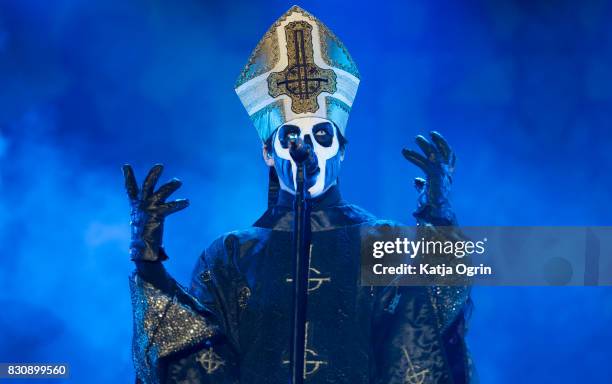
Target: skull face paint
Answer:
pixel 322 135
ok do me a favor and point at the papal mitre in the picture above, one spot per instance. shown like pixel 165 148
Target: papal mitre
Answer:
pixel 298 69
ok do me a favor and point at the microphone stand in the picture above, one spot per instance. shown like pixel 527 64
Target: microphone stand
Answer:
pixel 301 257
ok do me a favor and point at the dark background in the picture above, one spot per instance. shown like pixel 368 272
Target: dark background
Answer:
pixel 521 89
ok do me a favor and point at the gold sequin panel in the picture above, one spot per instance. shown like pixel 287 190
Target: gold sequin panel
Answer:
pixel 162 326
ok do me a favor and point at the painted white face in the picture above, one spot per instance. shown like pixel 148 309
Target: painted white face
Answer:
pixel 322 135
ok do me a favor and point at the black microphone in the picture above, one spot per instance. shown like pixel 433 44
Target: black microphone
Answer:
pixel 302 153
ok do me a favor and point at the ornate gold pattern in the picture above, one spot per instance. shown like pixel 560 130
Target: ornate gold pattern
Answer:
pixel 318 281
pixel 302 80
pixel 209 360
pixel 162 326
pixel 412 376
pixel 264 57
pixel 324 35
pixel 266 53
pixel 311 362
pixel 297 86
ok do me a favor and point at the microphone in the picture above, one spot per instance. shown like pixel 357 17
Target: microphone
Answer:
pixel 302 153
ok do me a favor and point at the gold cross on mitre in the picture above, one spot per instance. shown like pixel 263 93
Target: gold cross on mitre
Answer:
pixel 298 69
pixel 302 80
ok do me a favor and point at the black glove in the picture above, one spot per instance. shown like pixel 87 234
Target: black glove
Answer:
pixel 433 206
pixel 149 209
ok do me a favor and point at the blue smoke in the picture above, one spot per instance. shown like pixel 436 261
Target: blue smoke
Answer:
pixel 522 90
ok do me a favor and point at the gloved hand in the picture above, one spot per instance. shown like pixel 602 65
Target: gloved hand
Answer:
pixel 433 205
pixel 149 209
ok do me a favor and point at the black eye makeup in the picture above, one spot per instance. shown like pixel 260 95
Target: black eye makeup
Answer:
pixel 286 132
pixel 323 134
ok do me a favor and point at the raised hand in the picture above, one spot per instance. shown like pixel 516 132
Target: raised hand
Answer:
pixel 438 164
pixel 149 209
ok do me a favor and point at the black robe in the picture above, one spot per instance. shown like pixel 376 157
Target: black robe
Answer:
pixel 240 303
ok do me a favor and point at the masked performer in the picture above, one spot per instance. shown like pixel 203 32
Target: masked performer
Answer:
pixel 233 323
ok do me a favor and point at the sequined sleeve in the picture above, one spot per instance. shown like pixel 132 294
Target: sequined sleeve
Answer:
pixel 449 294
pixel 449 303
pixel 164 325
